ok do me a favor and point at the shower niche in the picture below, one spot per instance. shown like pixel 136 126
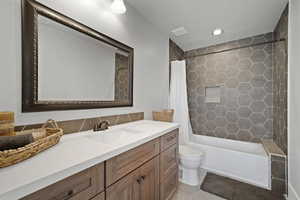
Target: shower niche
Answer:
pixel 213 94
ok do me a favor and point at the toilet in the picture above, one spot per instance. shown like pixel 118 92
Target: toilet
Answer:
pixel 190 160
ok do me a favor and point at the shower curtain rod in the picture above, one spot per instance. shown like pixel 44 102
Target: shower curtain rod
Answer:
pixel 247 46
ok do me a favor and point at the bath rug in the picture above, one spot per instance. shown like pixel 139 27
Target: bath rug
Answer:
pixel 234 190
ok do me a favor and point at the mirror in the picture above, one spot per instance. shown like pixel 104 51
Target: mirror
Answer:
pixel 67 65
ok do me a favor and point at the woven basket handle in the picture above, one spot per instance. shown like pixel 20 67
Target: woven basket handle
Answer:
pixel 51 122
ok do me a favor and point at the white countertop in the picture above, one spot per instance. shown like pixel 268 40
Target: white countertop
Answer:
pixel 74 153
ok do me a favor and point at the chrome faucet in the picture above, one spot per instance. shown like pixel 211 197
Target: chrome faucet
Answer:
pixel 103 125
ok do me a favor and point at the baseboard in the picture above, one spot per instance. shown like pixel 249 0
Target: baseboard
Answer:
pixel 221 173
pixel 292 193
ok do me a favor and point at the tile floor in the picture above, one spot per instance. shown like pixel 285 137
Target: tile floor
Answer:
pixel 186 192
pixel 232 190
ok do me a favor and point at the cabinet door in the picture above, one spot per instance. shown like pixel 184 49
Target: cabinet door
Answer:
pixel 128 188
pixel 99 197
pixel 168 172
pixel 149 174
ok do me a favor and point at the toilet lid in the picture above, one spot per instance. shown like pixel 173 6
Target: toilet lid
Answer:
pixel 190 152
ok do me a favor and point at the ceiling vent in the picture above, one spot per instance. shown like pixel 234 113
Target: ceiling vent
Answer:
pixel 179 31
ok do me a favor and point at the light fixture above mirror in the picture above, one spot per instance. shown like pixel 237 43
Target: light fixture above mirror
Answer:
pixel 218 31
pixel 118 7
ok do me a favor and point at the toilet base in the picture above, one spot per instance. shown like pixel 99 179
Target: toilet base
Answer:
pixel 189 176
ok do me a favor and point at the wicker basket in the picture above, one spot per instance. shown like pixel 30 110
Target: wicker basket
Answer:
pixel 164 115
pixel 51 138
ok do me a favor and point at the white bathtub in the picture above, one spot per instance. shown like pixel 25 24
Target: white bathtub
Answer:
pixel 243 161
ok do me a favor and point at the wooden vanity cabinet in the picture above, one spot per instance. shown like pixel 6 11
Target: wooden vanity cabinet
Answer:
pixel 147 172
pixel 82 186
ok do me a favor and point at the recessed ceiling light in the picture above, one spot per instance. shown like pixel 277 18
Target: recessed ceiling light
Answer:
pixel 217 31
pixel 118 7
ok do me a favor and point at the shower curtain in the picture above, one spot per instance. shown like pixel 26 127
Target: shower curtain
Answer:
pixel 178 100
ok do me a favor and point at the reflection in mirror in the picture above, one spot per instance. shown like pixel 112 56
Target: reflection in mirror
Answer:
pixel 73 66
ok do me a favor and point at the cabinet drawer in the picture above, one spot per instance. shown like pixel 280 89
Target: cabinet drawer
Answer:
pixel 99 197
pixel 123 164
pixel 168 186
pixel 168 160
pixel 81 186
pixel 169 140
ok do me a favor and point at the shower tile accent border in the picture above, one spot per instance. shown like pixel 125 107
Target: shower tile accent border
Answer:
pixel 73 126
pixel 279 174
pixel 278 161
pixel 280 87
pixel 272 148
pixel 250 41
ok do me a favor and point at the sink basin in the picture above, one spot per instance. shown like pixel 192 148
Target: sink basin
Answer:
pixel 113 137
pixel 145 127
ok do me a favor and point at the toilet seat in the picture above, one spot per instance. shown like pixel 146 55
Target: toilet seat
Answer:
pixel 188 152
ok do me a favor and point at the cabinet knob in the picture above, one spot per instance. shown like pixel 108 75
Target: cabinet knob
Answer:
pixel 70 193
pixel 140 179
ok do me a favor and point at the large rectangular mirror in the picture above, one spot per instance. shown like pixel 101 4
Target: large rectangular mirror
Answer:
pixel 67 65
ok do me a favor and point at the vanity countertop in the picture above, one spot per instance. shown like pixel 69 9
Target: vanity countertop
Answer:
pixel 74 153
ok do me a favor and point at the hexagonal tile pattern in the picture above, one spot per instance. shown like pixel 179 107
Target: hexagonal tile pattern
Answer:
pixel 258 81
pixel 258 56
pixel 244 100
pixel 258 93
pixel 258 118
pixel 220 132
pixel 258 106
pixel 245 77
pixel 220 111
pixel 244 135
pixel 258 131
pixel 221 122
pixel 245 64
pixel 244 88
pixel 269 87
pixel 269 100
pixel 232 83
pixel 231 116
pixel 258 68
pixel 210 125
pixel 211 115
pixel 244 123
pixel 232 128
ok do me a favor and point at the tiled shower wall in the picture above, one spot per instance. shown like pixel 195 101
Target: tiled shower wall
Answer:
pixel 280 75
pixel 243 71
pixel 175 52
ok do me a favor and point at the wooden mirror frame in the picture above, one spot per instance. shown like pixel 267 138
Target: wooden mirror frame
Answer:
pixel 31 9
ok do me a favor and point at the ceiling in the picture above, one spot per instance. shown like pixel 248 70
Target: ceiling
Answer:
pixel 238 18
